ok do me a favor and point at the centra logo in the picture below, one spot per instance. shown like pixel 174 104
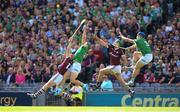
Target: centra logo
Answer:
pixel 150 101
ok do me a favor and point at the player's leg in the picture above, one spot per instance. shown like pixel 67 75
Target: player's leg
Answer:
pixel 104 71
pixel 117 73
pixel 73 79
pixel 60 85
pixel 65 77
pixel 136 56
pixel 52 82
pixel 55 80
pixel 75 69
pixel 144 60
pixel 123 83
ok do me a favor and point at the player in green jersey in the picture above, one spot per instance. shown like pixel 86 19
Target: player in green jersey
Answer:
pixel 62 69
pixel 143 56
pixel 75 68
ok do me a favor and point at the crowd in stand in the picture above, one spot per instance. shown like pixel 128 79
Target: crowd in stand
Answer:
pixel 34 35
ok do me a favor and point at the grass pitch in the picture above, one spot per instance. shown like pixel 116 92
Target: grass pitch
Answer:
pixel 87 109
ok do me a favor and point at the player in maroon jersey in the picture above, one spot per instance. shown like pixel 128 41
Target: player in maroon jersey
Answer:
pixel 57 78
pixel 117 56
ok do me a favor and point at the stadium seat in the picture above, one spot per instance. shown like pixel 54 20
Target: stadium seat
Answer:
pixel 164 85
pixel 144 84
pixel 154 84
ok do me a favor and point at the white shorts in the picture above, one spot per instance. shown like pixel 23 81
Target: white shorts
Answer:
pixel 75 68
pixel 147 58
pixel 57 78
pixel 115 68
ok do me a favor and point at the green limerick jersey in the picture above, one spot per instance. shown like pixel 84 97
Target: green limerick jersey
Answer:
pixel 81 52
pixel 143 46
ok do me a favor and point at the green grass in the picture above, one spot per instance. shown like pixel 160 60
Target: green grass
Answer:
pixel 88 109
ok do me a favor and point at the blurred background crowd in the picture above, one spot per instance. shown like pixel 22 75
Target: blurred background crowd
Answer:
pixel 34 35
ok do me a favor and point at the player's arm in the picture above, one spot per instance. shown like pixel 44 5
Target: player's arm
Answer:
pixel 131 47
pixel 84 38
pixel 69 47
pixel 125 38
pixel 124 59
pixel 100 41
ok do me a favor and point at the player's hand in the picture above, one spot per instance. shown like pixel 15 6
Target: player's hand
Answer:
pixel 120 34
pixel 94 37
pixel 70 39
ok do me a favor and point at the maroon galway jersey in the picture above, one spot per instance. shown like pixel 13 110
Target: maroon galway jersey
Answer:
pixel 63 67
pixel 115 55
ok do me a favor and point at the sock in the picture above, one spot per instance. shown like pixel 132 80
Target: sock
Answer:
pixel 129 90
pixel 41 91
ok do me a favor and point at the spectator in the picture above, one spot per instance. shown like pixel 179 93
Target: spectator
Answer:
pixel 47 75
pixel 89 66
pixel 20 77
pixel 149 77
pixel 9 78
pixel 106 85
pixel 176 74
pixel 158 75
pixel 112 38
pixel 126 74
pixel 37 76
pixel 167 78
pixel 95 75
